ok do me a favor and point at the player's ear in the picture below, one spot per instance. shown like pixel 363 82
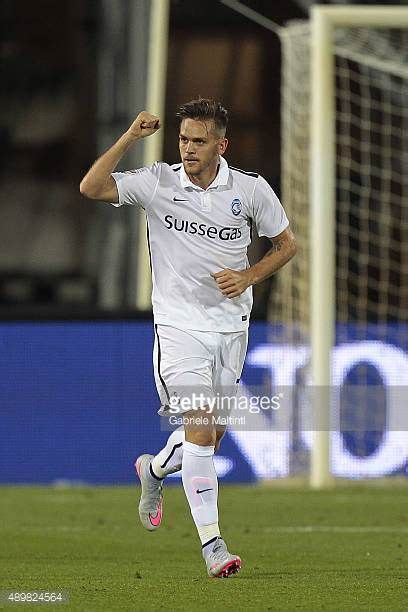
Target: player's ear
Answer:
pixel 222 145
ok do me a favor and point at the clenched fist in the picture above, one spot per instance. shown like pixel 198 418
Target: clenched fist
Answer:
pixel 144 125
pixel 232 283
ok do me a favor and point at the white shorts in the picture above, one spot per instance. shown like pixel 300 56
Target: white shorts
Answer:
pixel 192 368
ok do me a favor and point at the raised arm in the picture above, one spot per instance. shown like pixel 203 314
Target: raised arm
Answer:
pixel 98 183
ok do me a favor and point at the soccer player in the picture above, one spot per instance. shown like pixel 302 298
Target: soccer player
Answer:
pixel 199 215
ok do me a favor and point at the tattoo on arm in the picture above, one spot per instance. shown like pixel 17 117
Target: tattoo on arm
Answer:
pixel 276 247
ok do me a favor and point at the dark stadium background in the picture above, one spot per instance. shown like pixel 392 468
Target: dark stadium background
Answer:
pixel 52 241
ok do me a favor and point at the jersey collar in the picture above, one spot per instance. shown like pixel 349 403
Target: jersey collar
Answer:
pixel 221 178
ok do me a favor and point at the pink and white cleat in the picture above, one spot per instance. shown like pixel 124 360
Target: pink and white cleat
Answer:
pixel 220 563
pixel 151 499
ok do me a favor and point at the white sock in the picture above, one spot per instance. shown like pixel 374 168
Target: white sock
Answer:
pixel 201 488
pixel 208 534
pixel 169 459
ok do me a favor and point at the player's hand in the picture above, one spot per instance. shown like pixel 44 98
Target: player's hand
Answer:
pixel 144 125
pixel 232 282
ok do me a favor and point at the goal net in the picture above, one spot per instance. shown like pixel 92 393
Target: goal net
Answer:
pixel 371 236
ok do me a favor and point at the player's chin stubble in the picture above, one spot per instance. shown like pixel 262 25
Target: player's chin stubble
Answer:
pixel 192 169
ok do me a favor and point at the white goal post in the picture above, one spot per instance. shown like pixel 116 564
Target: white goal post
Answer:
pixel 323 202
pixel 153 146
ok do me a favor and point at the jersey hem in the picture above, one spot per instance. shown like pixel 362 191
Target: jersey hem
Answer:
pixel 117 204
pixel 194 327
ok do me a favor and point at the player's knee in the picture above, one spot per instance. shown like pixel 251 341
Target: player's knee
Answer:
pixel 199 428
pixel 201 437
pixel 205 436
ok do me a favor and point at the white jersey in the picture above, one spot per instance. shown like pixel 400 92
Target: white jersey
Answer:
pixel 194 232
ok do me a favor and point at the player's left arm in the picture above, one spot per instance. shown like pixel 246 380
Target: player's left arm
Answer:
pixel 234 282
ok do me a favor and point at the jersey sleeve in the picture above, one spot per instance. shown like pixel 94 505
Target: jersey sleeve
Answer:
pixel 137 187
pixel 267 211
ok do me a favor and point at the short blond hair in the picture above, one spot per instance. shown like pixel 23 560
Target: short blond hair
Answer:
pixel 205 109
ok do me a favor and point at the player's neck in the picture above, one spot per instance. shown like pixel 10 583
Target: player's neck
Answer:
pixel 205 179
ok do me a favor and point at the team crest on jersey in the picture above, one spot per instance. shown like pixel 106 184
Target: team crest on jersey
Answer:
pixel 236 206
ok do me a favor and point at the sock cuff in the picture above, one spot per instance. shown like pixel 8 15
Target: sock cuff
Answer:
pixel 153 474
pixel 197 450
pixel 214 539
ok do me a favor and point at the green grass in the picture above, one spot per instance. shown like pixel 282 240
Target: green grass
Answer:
pixel 345 549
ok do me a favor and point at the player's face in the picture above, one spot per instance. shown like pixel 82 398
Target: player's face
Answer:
pixel 200 145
